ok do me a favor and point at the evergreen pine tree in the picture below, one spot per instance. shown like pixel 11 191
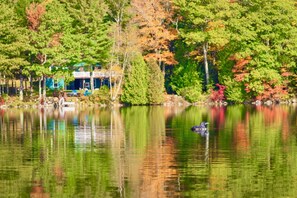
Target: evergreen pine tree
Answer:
pixel 155 84
pixel 136 84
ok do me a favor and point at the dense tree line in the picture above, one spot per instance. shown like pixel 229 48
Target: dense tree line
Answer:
pixel 249 46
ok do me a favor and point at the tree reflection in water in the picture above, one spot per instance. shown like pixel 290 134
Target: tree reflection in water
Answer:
pixel 148 152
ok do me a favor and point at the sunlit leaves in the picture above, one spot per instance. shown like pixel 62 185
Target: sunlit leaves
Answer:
pixel 13 42
pixel 265 32
pixel 88 40
pixel 136 83
pixel 155 83
pixel 153 19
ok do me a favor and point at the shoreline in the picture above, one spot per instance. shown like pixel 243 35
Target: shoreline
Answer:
pixel 170 101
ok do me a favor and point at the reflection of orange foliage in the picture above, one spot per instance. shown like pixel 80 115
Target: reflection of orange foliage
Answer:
pixel 273 115
pixel 241 139
pixel 159 174
pixel 285 130
pixel 218 116
pixel 37 191
pixel 2 112
pixel 276 115
pixel 59 173
pixel 217 183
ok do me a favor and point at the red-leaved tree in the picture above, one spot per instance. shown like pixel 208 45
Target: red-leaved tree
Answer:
pixel 218 95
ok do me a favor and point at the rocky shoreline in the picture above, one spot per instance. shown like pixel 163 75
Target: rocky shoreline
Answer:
pixel 170 100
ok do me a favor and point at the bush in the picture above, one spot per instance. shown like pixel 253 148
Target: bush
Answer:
pixel 218 95
pixel 191 93
pixel 100 96
pixel 234 91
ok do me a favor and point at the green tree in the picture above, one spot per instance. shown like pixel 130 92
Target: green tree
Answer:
pixel 204 28
pixel 186 81
pixel 136 83
pixel 261 54
pixel 156 80
pixel 49 25
pixel 89 41
pixel 13 43
pixel 186 77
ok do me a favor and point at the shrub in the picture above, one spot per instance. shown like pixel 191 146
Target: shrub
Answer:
pixel 189 93
pixel 100 96
pixel 234 91
pixel 218 95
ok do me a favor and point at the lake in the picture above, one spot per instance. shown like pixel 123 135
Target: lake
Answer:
pixel 251 151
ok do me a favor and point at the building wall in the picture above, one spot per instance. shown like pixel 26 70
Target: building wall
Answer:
pixel 55 84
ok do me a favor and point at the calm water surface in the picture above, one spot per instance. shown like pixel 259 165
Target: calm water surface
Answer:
pixel 149 152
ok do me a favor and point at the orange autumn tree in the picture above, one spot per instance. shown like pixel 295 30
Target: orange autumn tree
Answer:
pixel 153 19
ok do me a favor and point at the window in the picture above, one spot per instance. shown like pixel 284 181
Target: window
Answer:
pixel 87 84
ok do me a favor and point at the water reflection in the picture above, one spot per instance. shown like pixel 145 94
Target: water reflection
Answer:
pixel 148 152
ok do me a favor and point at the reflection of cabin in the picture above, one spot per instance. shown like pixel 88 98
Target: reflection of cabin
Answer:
pixel 86 134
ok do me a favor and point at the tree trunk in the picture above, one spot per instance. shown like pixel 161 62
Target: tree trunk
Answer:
pixel 15 86
pixel 7 86
pixel 44 87
pixel 116 52
pixel 21 87
pixel 12 84
pixel 92 81
pixel 3 85
pixel 161 65
pixel 31 85
pixel 118 87
pixel 205 48
pixel 40 88
pixel 26 86
pixel 0 85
